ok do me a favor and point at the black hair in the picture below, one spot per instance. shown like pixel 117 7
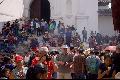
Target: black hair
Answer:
pixel 48 58
pixel 2 72
pixel 71 48
pixel 96 52
pixel 54 52
pixel 91 52
pixel 39 69
pixel 107 56
pixel 6 59
pixel 81 51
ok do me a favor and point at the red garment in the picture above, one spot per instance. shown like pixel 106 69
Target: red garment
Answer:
pixel 50 67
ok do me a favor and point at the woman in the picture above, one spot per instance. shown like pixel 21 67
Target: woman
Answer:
pixel 106 69
pixel 51 67
pixel 5 73
pixel 40 72
pixel 20 71
pixel 78 70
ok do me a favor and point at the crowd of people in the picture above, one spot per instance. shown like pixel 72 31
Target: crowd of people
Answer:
pixel 60 56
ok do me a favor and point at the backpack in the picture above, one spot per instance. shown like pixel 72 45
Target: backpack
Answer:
pixel 93 65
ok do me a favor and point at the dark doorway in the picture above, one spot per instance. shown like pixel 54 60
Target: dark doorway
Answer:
pixel 40 9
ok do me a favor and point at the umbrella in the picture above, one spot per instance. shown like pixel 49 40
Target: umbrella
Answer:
pixel 110 48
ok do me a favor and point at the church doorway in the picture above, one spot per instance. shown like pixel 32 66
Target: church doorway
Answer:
pixel 40 9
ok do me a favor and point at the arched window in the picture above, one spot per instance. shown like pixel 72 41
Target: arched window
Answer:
pixel 69 6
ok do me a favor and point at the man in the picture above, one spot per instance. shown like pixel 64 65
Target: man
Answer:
pixel 92 42
pixel 20 71
pixel 64 62
pixel 34 44
pixel 38 59
pixel 84 33
pixel 37 28
pixel 79 65
pixel 68 37
pixel 40 56
pixel 116 59
pixel 42 26
pixel 92 65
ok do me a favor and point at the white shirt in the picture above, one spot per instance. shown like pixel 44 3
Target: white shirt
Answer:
pixel 37 25
pixel 27 58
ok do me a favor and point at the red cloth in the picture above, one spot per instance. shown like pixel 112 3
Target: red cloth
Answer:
pixel 50 67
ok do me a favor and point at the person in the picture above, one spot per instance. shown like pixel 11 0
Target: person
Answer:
pixel 92 65
pixel 55 73
pixel 84 33
pixel 92 42
pixel 68 37
pixel 79 66
pixel 50 67
pixel 40 56
pixel 37 28
pixel 59 26
pixel 42 25
pixel 40 72
pixel 92 33
pixel 38 59
pixel 20 71
pixel 27 58
pixel 64 61
pixel 34 44
pixel 106 70
pixel 46 26
pixel 5 73
pixel 116 58
pixel 46 37
pixel 118 38
pixel 52 26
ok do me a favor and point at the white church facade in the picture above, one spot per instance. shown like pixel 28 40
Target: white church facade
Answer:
pixel 81 13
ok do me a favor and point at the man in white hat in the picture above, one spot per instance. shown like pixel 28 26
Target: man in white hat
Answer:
pixel 64 62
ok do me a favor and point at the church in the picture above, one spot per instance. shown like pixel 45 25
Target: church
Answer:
pixel 80 13
pixel 95 15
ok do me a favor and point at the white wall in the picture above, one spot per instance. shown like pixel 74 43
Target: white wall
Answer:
pixel 105 24
pixel 88 16
pixel 26 7
pixel 84 13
